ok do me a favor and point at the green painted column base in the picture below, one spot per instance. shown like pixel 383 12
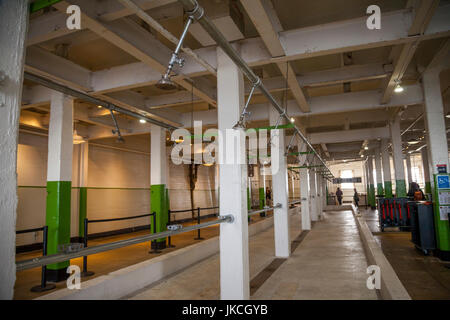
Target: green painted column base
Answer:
pixel 380 191
pixel 400 188
pixel 262 198
pixel 82 210
pixel 372 196
pixel 388 189
pixel 58 221
pixel 427 187
pixel 158 204
pixel 442 227
pixel 249 202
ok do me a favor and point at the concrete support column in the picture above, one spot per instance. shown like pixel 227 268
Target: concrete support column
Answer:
pixel 397 154
pixel 371 195
pixel 437 151
pixel 313 195
pixel 380 190
pixel 426 169
pixel 386 168
pixel 83 162
pixel 409 169
pixel 304 196
pixel 59 179
pixel 13 29
pixel 280 186
pixel 158 183
pixel 234 261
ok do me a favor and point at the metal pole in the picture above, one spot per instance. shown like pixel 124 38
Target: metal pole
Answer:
pixel 197 12
pixel 154 243
pixel 85 272
pixel 83 96
pixel 170 238
pixel 60 257
pixel 44 286
pixel 198 222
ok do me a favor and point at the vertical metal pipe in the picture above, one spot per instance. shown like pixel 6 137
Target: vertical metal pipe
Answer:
pixel 44 253
pixel 198 222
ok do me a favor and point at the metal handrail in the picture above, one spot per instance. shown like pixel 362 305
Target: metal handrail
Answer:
pixel 119 219
pixel 189 210
pixel 278 205
pixel 30 230
pixel 55 258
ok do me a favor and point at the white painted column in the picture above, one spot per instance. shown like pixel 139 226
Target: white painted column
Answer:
pixel 158 172
pixel 397 153
pixel 60 139
pixel 426 169
pixel 13 28
pixel 386 161
pixel 280 187
pixel 234 262
pixel 313 195
pixel 409 168
pixel 304 196
pixel 435 121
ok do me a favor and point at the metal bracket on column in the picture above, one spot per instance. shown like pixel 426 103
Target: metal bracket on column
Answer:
pixel 289 145
pixel 117 130
pixel 242 119
pixel 229 218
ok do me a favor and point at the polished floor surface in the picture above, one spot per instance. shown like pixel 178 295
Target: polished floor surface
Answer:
pixel 329 263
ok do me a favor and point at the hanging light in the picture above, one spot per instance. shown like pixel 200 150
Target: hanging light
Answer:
pixel 366 148
pixel 398 87
pixel 77 139
pixel 292 120
pixel 142 121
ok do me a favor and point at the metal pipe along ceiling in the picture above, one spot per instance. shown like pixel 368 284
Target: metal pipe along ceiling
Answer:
pixel 86 97
pixel 193 8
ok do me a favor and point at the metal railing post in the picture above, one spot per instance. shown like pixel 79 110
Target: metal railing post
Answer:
pixel 198 222
pixel 44 286
pixel 154 243
pixel 170 238
pixel 85 272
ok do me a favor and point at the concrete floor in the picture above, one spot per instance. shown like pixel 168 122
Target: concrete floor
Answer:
pixel 328 264
pixel 424 277
pixel 106 262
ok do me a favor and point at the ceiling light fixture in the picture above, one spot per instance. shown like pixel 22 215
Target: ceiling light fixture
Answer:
pixel 77 139
pixel 292 120
pixel 366 148
pixel 142 121
pixel 398 87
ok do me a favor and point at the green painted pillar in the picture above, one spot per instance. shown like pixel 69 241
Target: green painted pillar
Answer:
pixel 388 189
pixel 158 205
pixel 372 195
pixel 400 188
pixel 82 210
pixel 262 198
pixel 249 202
pixel 442 227
pixel 59 181
pixel 427 187
pixel 380 191
pixel 58 221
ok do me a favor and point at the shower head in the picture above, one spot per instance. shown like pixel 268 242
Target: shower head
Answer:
pixel 165 83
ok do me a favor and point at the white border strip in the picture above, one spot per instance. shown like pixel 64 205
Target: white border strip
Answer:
pixel 391 286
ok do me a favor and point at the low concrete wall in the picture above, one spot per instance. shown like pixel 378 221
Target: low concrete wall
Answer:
pixel 123 282
pixel 338 208
pixel 391 286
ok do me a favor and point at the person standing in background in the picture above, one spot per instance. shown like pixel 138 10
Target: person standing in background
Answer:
pixel 356 198
pixel 339 194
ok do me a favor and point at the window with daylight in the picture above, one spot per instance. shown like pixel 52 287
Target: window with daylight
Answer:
pixel 347 174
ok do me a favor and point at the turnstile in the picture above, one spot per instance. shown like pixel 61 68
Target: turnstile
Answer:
pixel 394 212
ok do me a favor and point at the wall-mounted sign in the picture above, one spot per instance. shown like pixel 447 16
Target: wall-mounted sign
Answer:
pixel 441 168
pixel 347 180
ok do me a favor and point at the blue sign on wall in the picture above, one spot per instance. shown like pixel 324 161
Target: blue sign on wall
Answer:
pixel 443 182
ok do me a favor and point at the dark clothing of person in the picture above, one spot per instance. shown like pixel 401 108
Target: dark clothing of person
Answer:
pixel 415 192
pixel 339 196
pixel 356 199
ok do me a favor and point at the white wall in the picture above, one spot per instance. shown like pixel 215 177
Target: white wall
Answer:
pixel 118 182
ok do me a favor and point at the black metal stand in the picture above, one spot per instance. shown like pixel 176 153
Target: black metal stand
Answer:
pixel 198 222
pixel 154 242
pixel 44 286
pixel 85 273
pixel 170 245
